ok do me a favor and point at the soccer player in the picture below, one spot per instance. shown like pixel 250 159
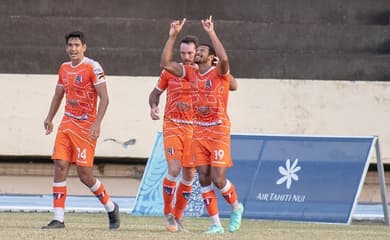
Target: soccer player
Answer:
pixel 82 82
pixel 211 138
pixel 177 134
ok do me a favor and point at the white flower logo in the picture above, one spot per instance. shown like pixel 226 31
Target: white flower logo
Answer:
pixel 289 173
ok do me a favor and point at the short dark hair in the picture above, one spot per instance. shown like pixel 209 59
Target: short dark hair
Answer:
pixel 211 48
pixel 190 39
pixel 75 34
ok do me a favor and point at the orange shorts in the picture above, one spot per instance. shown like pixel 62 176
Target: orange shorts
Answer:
pixel 177 143
pixel 178 147
pixel 213 152
pixel 77 148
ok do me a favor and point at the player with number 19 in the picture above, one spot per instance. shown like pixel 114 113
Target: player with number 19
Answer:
pixel 210 86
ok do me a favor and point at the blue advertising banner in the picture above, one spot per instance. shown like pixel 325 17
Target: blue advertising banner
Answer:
pixel 295 178
pixel 298 178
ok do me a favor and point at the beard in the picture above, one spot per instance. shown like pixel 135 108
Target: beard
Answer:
pixel 198 60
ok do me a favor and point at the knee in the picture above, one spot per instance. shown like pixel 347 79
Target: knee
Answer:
pixel 219 181
pixel 204 180
pixel 86 177
pixel 89 181
pixel 174 170
pixel 60 171
pixel 188 174
pixel 60 168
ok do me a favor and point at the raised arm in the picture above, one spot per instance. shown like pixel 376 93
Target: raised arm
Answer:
pixel 223 63
pixel 166 57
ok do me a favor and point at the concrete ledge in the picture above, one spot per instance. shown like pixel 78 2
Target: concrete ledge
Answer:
pixel 244 64
pixel 37 178
pixel 116 186
pixel 120 180
pixel 46 169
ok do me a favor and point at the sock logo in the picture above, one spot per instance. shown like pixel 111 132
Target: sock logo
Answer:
pixel 187 195
pixel 169 190
pixel 101 195
pixel 207 201
pixel 58 195
pixel 227 196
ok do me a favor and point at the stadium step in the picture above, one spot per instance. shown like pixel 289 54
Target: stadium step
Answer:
pixel 264 64
pixel 267 11
pixel 303 39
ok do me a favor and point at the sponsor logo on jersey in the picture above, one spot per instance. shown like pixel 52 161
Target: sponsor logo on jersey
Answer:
pixel 183 106
pixel 204 110
pixel 72 102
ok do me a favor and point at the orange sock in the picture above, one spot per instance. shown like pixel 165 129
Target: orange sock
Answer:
pixel 210 200
pixel 182 196
pixel 169 188
pixel 101 193
pixel 229 193
pixel 59 196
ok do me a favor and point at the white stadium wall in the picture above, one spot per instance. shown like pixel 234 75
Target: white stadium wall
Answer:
pixel 269 106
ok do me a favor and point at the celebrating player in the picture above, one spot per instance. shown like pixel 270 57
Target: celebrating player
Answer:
pixel 177 133
pixel 211 138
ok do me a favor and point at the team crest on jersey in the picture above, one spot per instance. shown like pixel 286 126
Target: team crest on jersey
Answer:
pixel 79 79
pixel 208 84
pixel 170 151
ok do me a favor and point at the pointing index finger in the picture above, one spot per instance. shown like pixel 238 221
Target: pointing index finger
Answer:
pixel 183 21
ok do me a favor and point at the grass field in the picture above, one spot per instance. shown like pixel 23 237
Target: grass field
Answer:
pixel 88 226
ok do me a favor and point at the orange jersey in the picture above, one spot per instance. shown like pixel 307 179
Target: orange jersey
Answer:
pixel 78 83
pixel 209 93
pixel 73 142
pixel 178 107
pixel 178 114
